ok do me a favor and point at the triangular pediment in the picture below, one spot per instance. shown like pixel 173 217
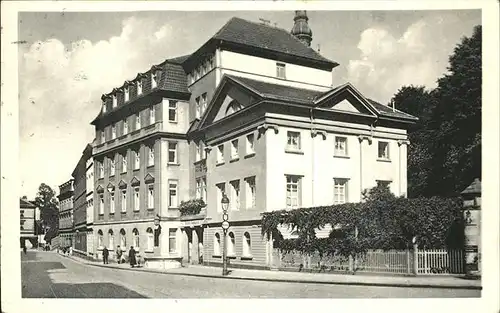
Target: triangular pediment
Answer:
pixel 346 99
pixel 149 179
pixel 229 98
pixel 99 189
pixel 135 181
pixel 122 184
pixel 111 187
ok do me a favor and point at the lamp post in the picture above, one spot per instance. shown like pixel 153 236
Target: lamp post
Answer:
pixel 225 227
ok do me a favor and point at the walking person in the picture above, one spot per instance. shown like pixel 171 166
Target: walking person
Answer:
pixel 105 254
pixel 131 257
pixel 119 254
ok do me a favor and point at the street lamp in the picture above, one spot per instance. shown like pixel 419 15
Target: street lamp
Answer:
pixel 225 227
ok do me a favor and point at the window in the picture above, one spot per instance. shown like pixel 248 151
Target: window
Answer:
pixel 137 202
pixel 123 239
pixel 154 79
pixel 172 152
pixel 198 188
pixel 201 188
pixel 235 194
pixel 340 146
pixel 103 137
pixel 221 190
pixel 231 243
pixel 113 131
pixel 125 126
pixel 217 244
pixel 139 87
pixel 220 154
pixel 100 239
pixel 100 169
pixel 101 204
pixel 111 240
pixel 292 191
pixel 172 194
pixel 124 163
pixel 112 202
pixel 293 140
pixel 138 121
pixel 383 150
pixel 247 244
pixel 104 107
pixel 250 196
pixel 115 101
pixel 150 239
pixel 135 234
pixel 340 191
pixel 137 160
pixel 211 63
pixel 234 149
pixel 198 107
pixel 124 201
pixel 126 94
pixel 172 111
pixel 152 118
pixel 203 102
pixel 250 141
pixel 151 158
pixel 280 70
pixel 112 166
pixel 151 196
pixel 172 242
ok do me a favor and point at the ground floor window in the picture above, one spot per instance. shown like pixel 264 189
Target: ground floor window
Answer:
pixel 123 239
pixel 135 232
pixel 230 244
pixel 216 244
pixel 149 244
pixel 247 244
pixel 172 242
pixel 111 240
pixel 99 239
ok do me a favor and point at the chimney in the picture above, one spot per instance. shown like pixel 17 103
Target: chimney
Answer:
pixel 301 28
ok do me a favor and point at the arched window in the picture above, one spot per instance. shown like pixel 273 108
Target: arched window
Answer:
pixel 233 107
pixel 123 239
pixel 135 233
pixel 247 244
pixel 149 232
pixel 217 244
pixel 231 244
pixel 111 239
pixel 99 239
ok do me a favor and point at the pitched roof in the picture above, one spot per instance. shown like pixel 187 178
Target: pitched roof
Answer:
pixel 387 111
pixel 174 78
pixel 278 92
pixel 26 204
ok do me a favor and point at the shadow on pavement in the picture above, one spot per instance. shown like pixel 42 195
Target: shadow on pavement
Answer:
pixel 36 283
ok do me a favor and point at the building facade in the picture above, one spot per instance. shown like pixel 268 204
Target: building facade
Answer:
pixel 89 201
pixel 65 197
pixel 80 203
pixel 253 117
pixel 27 219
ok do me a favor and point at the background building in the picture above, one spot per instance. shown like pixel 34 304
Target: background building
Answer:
pixel 89 197
pixel 27 219
pixel 80 203
pixel 65 198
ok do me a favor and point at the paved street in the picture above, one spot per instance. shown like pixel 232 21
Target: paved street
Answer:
pixel 49 275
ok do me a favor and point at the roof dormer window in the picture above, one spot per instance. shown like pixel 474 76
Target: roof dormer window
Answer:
pixel 115 101
pixel 104 107
pixel 155 79
pixel 126 92
pixel 139 87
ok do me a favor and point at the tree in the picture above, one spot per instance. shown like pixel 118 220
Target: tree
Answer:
pixel 46 201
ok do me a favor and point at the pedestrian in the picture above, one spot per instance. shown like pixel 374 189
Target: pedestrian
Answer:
pixel 105 254
pixel 131 256
pixel 24 249
pixel 119 254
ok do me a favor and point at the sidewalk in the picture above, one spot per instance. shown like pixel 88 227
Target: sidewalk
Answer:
pixel 295 277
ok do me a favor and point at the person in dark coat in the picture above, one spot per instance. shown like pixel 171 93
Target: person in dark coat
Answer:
pixel 131 257
pixel 24 249
pixel 105 254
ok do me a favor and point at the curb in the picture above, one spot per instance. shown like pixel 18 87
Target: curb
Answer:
pixel 281 280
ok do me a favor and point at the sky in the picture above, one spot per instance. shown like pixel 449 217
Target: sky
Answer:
pixel 68 60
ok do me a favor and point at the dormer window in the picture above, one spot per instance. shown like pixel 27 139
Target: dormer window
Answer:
pixel 138 121
pixel 104 107
pixel 139 87
pixel 152 118
pixel 115 101
pixel 113 131
pixel 155 78
pixel 127 96
pixel 211 63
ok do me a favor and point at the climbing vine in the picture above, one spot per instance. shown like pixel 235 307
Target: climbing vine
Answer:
pixel 382 221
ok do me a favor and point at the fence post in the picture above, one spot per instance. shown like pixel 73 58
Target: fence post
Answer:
pixel 351 264
pixel 415 256
pixel 408 269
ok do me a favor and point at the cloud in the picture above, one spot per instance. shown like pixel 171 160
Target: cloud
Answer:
pixel 60 87
pixel 388 61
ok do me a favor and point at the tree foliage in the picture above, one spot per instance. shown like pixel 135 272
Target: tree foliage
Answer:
pixel 444 156
pixel 383 221
pixel 46 201
pixel 191 207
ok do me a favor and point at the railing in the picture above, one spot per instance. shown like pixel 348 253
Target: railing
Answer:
pixel 430 262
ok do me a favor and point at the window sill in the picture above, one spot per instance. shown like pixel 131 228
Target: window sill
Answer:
pixel 216 256
pixel 148 251
pixel 294 151
pixel 383 160
pixel 341 156
pixel 123 213
pixel 136 169
pixel 173 208
pixel 173 164
pixel 172 122
pixel 247 258
pixel 151 165
pixel 234 159
pixel 219 163
pixel 232 257
pixel 250 155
